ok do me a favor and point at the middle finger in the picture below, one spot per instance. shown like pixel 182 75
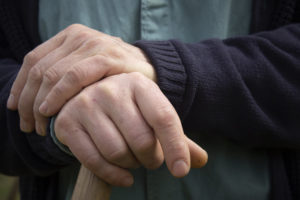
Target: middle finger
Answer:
pixel 31 88
pixel 51 76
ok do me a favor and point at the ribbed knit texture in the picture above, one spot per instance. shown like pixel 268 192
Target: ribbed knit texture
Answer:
pixel 166 60
pixel 171 72
pixel 166 77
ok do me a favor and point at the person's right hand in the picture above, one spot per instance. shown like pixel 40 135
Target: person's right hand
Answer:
pixel 122 122
pixel 59 68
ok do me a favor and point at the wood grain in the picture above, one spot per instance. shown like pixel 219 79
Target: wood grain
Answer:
pixel 90 187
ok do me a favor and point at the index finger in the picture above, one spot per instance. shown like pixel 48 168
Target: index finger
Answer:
pixel 29 61
pixel 162 117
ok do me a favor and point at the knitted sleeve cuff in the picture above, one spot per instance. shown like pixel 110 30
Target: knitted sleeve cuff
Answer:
pixel 170 71
pixel 60 145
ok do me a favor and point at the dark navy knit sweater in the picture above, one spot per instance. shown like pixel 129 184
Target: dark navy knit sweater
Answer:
pixel 246 89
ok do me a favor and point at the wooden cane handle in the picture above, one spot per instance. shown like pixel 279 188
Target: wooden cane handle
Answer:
pixel 90 187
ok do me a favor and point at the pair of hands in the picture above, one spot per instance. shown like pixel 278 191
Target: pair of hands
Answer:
pixel 120 122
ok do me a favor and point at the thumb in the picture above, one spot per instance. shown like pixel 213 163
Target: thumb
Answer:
pixel 199 156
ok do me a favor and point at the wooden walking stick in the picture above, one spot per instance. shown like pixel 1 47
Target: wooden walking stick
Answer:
pixel 90 187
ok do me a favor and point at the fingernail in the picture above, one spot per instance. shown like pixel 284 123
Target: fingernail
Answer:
pixel 128 181
pixel 44 107
pixel 10 101
pixel 25 127
pixel 180 168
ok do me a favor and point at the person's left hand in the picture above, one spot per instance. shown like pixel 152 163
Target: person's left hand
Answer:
pixel 59 68
pixel 124 121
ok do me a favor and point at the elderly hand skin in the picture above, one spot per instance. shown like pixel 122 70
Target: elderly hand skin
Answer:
pixel 118 123
pixel 59 68
pixel 122 122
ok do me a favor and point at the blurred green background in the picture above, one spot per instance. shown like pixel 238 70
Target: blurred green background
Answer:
pixel 9 188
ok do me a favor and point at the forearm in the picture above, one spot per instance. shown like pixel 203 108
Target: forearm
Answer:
pixel 246 88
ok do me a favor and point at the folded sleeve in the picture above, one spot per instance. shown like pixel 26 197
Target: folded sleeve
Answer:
pixel 244 88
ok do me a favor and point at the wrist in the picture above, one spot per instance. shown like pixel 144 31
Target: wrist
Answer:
pixel 148 69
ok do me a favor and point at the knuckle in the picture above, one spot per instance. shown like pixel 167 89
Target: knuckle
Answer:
pixel 108 91
pixel 116 155
pixel 144 83
pixel 24 113
pixel 74 27
pixel 114 48
pixel 101 60
pixel 137 75
pixel 77 34
pixel 35 74
pixel 164 117
pixel 115 52
pixel 61 136
pixel 118 39
pixel 60 122
pixel 176 145
pixel 36 110
pixel 106 176
pixel 109 175
pixel 51 77
pixel 143 143
pixel 146 147
pixel 92 43
pixel 57 91
pixel 82 101
pixel 81 36
pixel 31 58
pixel 75 75
pixel 61 127
pixel 91 161
pixel 26 117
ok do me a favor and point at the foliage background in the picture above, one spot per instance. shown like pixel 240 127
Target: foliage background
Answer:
pixel 9 188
